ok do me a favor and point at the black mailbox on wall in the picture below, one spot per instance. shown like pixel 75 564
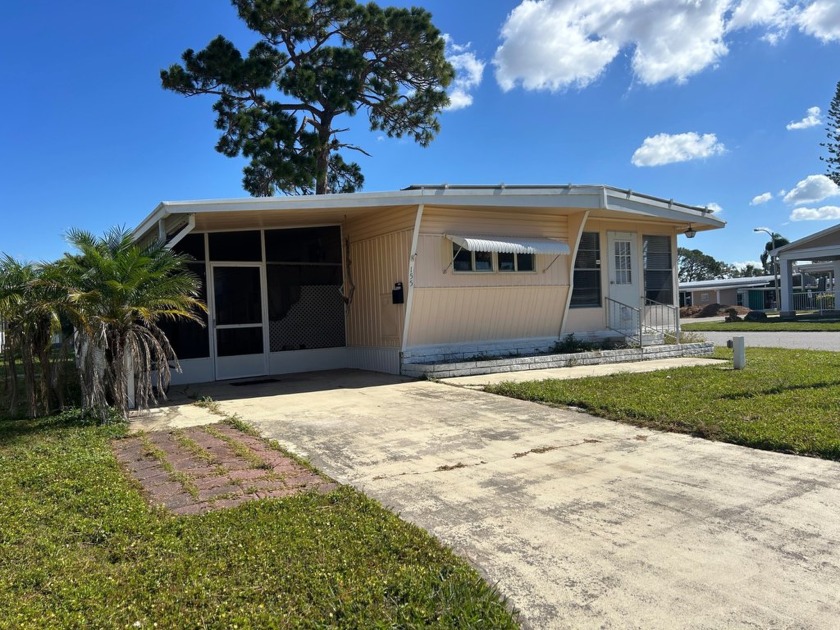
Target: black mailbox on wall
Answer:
pixel 397 296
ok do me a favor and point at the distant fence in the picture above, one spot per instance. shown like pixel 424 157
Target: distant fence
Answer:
pixel 803 301
pixel 814 301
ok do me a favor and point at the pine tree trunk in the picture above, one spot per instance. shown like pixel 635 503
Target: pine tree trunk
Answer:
pixel 322 164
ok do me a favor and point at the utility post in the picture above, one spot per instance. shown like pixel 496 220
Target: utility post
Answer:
pixel 774 263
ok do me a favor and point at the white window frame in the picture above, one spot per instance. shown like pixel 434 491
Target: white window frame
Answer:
pixel 494 257
pixel 516 263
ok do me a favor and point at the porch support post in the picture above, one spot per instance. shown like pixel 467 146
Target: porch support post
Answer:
pixel 184 231
pixel 786 282
pixel 409 300
pixel 572 258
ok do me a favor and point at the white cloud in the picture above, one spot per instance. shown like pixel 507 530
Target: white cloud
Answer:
pixel 812 119
pixel 772 15
pixel 468 72
pixel 823 213
pixel 545 49
pixel 812 189
pixel 821 19
pixel 557 44
pixel 760 199
pixel 714 207
pixel 666 149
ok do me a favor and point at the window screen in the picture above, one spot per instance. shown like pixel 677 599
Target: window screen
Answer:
pixel 587 279
pixel 659 272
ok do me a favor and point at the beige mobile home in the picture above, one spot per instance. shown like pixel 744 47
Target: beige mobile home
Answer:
pixel 377 281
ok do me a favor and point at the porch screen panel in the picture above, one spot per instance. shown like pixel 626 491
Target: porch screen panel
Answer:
pixel 659 269
pixel 190 340
pixel 236 246
pixel 304 276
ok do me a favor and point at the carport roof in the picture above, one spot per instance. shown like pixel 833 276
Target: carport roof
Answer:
pixel 823 245
pixel 599 200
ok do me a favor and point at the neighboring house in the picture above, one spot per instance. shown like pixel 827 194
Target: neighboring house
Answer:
pixel 377 280
pixel 822 249
pixel 754 292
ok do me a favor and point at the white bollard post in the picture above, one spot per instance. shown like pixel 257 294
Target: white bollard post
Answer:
pixel 739 357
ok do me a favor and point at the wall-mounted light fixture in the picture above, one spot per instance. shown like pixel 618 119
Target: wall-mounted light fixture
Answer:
pixel 690 232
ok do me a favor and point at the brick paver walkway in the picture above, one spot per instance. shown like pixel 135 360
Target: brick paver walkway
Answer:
pixel 195 470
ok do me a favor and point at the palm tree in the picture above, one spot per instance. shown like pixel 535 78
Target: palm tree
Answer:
pixel 29 316
pixel 115 293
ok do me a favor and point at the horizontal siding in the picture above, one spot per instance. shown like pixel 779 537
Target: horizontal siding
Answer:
pixel 380 223
pixel 510 222
pixel 453 315
pixel 376 264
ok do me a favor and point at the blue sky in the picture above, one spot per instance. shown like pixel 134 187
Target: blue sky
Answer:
pixel 706 102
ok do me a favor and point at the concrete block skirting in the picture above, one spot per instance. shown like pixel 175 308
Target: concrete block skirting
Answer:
pixel 539 362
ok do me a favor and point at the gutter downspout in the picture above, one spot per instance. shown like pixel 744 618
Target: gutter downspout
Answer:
pixel 572 270
pixel 415 238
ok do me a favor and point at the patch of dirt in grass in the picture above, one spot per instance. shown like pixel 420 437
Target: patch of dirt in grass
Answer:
pixel 195 470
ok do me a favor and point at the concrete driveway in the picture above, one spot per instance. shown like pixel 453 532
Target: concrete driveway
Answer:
pixel 581 522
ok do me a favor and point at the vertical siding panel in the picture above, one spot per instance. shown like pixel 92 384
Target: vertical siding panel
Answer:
pixel 378 263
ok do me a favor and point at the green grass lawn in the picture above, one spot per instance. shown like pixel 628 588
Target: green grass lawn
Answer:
pixel 785 400
pixel 769 326
pixel 79 547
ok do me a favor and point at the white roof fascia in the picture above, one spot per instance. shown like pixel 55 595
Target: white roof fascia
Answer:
pixel 806 253
pixel 666 210
pixel 584 197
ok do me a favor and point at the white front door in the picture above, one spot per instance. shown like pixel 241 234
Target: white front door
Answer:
pixel 238 316
pixel 625 283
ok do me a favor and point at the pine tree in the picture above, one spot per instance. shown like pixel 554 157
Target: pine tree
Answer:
pixel 833 144
pixel 317 62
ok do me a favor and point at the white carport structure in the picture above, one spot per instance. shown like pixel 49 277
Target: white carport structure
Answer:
pixel 821 247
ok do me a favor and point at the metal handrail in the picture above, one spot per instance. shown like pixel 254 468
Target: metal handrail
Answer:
pixel 654 319
pixel 624 319
pixel 670 323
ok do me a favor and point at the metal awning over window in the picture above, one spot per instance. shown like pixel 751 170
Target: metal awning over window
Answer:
pixel 511 244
